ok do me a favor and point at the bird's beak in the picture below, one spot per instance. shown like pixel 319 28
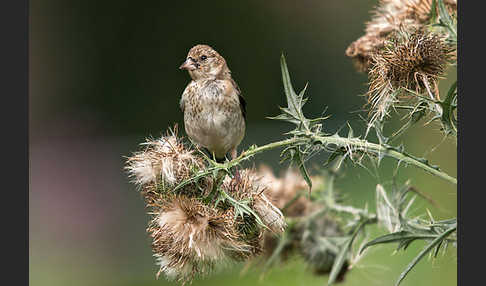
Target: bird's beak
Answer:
pixel 188 65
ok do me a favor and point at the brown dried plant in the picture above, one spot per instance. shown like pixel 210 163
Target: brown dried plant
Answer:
pixel 205 223
pixel 410 60
pixel 388 17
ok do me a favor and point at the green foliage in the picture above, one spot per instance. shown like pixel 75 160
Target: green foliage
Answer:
pixel 308 138
pixel 445 20
pixel 392 210
pixel 434 243
pixel 449 106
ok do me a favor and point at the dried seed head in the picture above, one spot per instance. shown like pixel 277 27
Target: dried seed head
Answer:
pixel 199 226
pixel 388 17
pixel 165 160
pixel 191 238
pixel 307 235
pixel 409 60
pixel 271 216
pixel 283 190
pixel 249 187
pixel 320 256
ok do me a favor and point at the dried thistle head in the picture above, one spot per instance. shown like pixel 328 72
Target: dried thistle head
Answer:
pixel 164 163
pixel 320 256
pixel 315 238
pixel 165 160
pixel 250 187
pixel 205 223
pixel 285 193
pixel 388 17
pixel 286 188
pixel 409 60
pixel 191 238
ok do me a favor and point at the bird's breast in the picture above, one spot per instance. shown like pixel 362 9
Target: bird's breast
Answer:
pixel 212 115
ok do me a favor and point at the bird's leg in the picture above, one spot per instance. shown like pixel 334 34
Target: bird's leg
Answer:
pixel 234 154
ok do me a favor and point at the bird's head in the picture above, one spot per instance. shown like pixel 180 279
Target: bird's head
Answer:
pixel 203 62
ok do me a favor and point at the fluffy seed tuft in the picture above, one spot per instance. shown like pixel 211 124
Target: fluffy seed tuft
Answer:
pixel 165 160
pixel 201 225
pixel 413 61
pixel 191 238
pixel 390 16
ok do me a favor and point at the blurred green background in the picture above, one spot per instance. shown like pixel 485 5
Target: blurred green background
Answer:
pixel 104 75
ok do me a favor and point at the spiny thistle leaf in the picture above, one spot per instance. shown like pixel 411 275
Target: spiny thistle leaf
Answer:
pixel 195 178
pixel 344 253
pixel 339 152
pixel 241 207
pixel 446 20
pixel 392 212
pixel 293 112
pixel 424 251
pixel 303 171
pixel 399 236
pixel 418 112
pixel 448 107
pixel 378 126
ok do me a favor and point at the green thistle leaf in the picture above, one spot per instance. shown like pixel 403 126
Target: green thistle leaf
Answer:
pixel 303 171
pixel 448 121
pixel 293 112
pixel 405 237
pixel 424 251
pixel 344 253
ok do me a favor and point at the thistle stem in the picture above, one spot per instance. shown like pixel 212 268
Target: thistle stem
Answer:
pixel 352 143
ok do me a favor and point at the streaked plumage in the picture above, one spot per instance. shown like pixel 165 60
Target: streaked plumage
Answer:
pixel 214 110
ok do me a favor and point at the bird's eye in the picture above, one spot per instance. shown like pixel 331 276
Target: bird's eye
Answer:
pixel 203 58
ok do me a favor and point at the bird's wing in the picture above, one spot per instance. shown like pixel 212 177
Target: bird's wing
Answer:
pixel 241 98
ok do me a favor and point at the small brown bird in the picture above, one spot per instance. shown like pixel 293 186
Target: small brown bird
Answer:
pixel 214 110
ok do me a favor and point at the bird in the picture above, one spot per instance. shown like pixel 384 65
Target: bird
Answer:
pixel 214 109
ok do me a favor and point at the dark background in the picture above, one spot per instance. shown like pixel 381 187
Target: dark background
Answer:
pixel 104 75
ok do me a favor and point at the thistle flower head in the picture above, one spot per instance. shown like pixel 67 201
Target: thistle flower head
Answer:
pixel 191 238
pixel 165 160
pixel 286 188
pixel 320 256
pixel 390 16
pixel 315 238
pixel 199 224
pixel 250 187
pixel 410 60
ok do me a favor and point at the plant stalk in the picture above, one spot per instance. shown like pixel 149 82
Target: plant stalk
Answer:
pixel 354 143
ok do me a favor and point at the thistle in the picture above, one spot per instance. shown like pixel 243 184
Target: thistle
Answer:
pixel 203 217
pixel 312 233
pixel 391 16
pixel 205 223
pixel 191 238
pixel 409 61
pixel 287 192
pixel 165 161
